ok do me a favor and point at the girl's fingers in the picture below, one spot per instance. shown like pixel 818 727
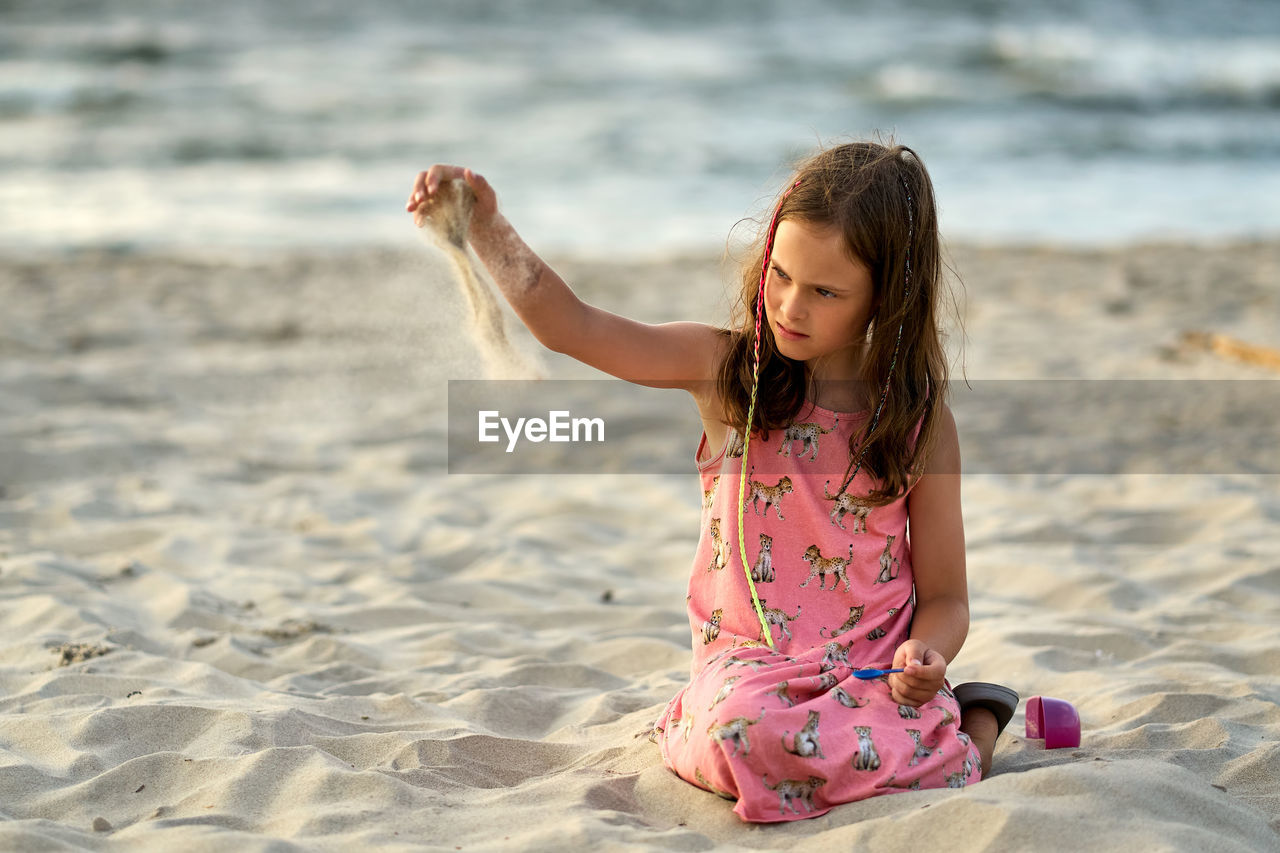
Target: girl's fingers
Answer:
pixel 428 183
pixel 441 172
pixel 484 193
pixel 919 680
pixel 914 691
pixel 418 193
pixel 906 693
pixel 910 698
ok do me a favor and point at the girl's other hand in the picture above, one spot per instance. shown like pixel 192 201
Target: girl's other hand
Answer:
pixel 923 678
pixel 428 182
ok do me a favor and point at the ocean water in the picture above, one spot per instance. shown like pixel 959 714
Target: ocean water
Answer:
pixel 627 128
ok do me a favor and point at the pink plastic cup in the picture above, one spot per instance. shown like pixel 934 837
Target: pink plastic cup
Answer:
pixel 1055 720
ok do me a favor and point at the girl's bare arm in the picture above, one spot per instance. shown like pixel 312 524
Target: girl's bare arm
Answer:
pixel 667 355
pixel 941 620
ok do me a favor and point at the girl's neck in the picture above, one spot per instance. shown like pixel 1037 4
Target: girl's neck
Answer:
pixel 849 396
pixel 836 382
pixel 843 365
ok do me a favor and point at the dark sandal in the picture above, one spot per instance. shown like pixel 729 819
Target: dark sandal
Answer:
pixel 996 698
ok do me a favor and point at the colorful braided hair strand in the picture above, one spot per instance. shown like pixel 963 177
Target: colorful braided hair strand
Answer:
pixel 751 411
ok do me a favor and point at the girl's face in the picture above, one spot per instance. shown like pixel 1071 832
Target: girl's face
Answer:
pixel 817 300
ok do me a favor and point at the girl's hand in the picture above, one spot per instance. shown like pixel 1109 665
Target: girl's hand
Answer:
pixel 428 182
pixel 925 670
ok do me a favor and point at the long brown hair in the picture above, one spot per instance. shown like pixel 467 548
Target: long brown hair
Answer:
pixel 861 189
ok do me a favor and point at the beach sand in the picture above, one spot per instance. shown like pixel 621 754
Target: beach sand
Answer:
pixel 245 608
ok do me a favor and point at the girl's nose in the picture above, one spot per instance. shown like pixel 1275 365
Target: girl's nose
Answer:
pixel 791 306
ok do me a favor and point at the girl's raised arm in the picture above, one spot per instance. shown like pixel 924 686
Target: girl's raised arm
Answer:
pixel 669 355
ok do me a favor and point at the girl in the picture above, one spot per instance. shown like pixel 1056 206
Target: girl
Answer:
pixel 835 375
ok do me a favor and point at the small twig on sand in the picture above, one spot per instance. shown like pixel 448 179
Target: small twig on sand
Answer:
pixel 1233 349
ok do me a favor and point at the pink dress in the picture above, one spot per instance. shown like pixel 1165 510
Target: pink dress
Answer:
pixel 791 733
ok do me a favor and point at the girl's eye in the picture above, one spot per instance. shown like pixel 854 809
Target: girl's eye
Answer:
pixel 821 291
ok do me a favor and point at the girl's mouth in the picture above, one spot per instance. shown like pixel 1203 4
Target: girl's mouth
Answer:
pixel 789 335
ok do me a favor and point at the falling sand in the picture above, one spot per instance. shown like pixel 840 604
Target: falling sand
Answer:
pixel 445 218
